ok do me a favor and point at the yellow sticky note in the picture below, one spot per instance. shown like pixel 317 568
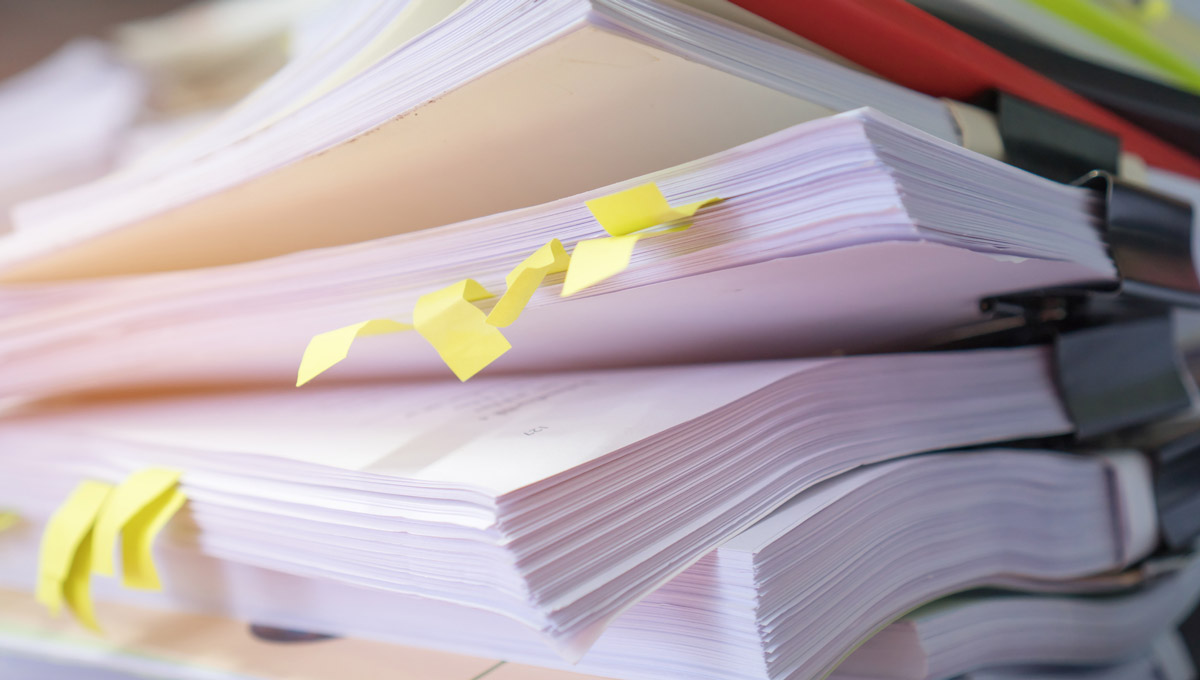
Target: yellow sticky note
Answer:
pixel 77 588
pixel 622 214
pixel 525 278
pixel 137 541
pixel 327 349
pixel 459 330
pixel 65 537
pixel 639 208
pixel 597 259
pixel 131 497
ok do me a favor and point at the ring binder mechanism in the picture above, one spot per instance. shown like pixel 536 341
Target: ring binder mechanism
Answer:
pixel 1049 143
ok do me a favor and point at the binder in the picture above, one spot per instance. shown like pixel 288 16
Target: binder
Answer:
pixel 1050 144
pixel 915 49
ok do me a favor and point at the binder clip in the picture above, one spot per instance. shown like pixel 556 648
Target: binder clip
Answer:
pixel 1149 237
pixel 286 636
pixel 1051 144
pixel 1177 492
pixel 1120 375
pixel 1174 452
pixel 1116 362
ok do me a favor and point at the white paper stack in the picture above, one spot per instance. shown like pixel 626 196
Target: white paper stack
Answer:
pixel 63 121
pixel 1167 659
pixel 983 630
pixel 852 233
pixel 788 598
pixel 557 500
pixel 631 73
pixel 645 482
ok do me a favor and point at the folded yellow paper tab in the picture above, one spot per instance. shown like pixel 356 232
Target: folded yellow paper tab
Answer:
pixel 621 215
pixel 324 351
pixel 65 560
pixel 132 512
pixel 597 259
pixel 525 278
pixel 137 541
pixel 639 208
pixel 459 330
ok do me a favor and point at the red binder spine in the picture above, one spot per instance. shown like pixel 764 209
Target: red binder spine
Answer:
pixel 915 49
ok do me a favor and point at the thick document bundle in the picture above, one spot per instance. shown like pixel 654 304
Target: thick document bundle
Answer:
pixel 62 122
pixel 849 234
pixel 556 500
pixel 191 647
pixel 379 131
pixel 1005 629
pixel 792 595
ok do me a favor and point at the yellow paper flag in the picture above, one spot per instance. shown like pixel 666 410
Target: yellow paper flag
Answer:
pixel 65 540
pixel 137 541
pixel 459 330
pixel 324 351
pixel 622 214
pixel 639 208
pixel 132 498
pixel 77 588
pixel 597 259
pixel 525 278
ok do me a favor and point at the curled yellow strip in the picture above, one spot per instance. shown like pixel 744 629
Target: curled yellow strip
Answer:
pixel 137 541
pixel 625 215
pixel 639 208
pixel 324 351
pixel 525 278
pixel 459 330
pixel 131 509
pixel 64 563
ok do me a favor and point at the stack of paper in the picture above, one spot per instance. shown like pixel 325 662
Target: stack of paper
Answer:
pixel 586 334
pixel 62 122
pixel 642 69
pixel 789 597
pixel 210 54
pixel 556 500
pixel 885 237
pixel 966 632
pixel 195 647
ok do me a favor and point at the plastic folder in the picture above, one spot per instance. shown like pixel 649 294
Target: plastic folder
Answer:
pixel 915 49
